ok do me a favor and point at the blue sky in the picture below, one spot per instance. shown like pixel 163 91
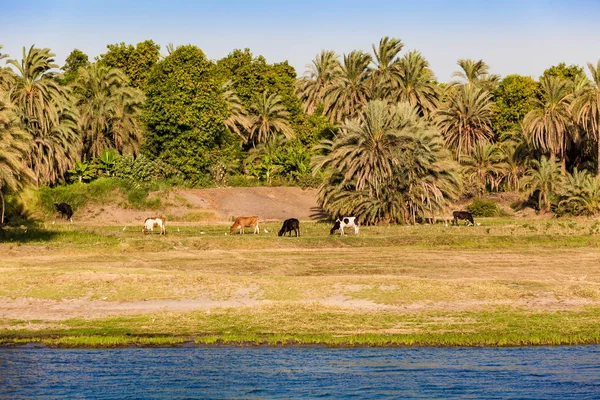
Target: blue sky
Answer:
pixel 522 37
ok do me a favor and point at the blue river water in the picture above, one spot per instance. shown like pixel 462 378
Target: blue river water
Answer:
pixel 301 372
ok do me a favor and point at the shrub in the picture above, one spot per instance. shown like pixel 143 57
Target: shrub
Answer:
pixel 483 208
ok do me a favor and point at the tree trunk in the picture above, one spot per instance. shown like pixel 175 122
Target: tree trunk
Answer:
pixel 563 164
pixel 598 167
pixel 2 218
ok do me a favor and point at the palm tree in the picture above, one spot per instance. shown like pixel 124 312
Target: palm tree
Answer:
pixel 108 110
pixel 475 72
pixel 268 118
pixel 544 178
pixel 14 144
pixel 587 108
pixel 348 91
pixel 485 166
pixel 547 124
pixel 466 118
pixel 46 114
pixel 416 83
pixel 312 87
pixel 384 75
pixel 582 194
pixel 5 73
pixel 239 121
pixel 364 148
pixel 388 164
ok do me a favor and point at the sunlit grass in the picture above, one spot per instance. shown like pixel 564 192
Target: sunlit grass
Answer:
pixel 504 282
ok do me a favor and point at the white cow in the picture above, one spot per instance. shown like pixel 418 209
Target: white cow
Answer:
pixel 152 222
pixel 345 222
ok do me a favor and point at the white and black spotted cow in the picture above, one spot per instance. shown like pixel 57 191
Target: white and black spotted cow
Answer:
pixel 344 222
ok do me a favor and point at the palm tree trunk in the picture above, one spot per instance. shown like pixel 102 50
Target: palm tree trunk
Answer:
pixel 598 167
pixel 563 164
pixel 2 218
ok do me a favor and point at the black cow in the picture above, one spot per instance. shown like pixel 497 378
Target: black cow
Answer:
pixel 463 216
pixel 290 225
pixel 65 210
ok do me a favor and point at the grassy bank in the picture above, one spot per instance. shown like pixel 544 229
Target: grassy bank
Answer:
pixel 507 282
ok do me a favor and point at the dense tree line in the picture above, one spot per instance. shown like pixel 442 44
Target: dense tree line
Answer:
pixel 379 135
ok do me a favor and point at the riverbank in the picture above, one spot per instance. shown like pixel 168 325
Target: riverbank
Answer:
pixel 506 282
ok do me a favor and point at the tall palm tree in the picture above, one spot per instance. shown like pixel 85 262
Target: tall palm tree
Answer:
pixel 384 74
pixel 14 144
pixel 544 178
pixel 476 72
pixel 466 118
pixel 364 148
pixel 587 108
pixel 268 118
pixel 108 110
pixel 46 113
pixel 348 91
pixel 238 121
pixel 416 83
pixel 312 87
pixel 548 123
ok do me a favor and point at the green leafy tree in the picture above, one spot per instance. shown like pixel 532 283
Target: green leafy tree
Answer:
pixel 82 172
pixel 135 61
pixel 46 113
pixel 185 113
pixel 465 119
pixel 75 60
pixel 512 101
pixel 564 72
pixel 250 76
pixel 108 111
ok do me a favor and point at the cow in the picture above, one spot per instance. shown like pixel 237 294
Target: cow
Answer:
pixel 65 210
pixel 345 222
pixel 241 222
pixel 152 222
pixel 463 216
pixel 290 225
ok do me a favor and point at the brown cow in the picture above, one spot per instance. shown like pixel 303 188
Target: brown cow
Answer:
pixel 241 222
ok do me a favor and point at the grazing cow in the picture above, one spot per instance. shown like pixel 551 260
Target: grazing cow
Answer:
pixel 152 222
pixel 290 225
pixel 65 210
pixel 345 222
pixel 241 222
pixel 463 216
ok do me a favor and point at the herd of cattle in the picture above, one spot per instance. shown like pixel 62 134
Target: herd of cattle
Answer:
pixel 289 225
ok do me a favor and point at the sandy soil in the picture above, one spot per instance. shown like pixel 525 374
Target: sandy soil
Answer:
pixel 269 203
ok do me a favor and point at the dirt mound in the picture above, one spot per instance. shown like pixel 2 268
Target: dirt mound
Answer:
pixel 269 203
pixel 215 205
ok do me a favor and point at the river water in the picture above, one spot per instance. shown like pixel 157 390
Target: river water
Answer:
pixel 262 372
